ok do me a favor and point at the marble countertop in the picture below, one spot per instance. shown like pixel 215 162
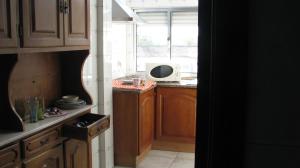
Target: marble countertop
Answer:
pixel 187 82
pixel 7 137
pixel 183 84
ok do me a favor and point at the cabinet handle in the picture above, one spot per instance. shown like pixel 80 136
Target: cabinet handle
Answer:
pixel 45 165
pixel 43 142
pixel 61 6
pixel 66 7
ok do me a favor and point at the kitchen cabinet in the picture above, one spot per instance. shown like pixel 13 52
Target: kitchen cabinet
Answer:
pixel 146 120
pixel 8 25
pixel 10 157
pixel 52 158
pixel 76 21
pixel 55 23
pixel 54 36
pixel 42 23
pixel 175 118
pixel 76 154
pixel 133 125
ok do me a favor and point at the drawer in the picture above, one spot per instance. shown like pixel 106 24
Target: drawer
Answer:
pixel 51 158
pixel 41 141
pixel 10 157
pixel 94 125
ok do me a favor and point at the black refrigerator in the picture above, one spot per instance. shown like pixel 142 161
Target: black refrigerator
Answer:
pixel 248 109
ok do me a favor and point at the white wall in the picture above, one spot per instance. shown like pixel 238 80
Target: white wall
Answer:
pixel 90 75
pixel 104 48
pixel 97 78
pixel 123 55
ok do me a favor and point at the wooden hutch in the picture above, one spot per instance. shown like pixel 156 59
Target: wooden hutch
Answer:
pixel 43 47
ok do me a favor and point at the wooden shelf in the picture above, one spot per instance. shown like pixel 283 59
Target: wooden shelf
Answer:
pixel 49 75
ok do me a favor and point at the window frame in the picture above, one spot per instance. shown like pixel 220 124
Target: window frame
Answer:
pixel 169 12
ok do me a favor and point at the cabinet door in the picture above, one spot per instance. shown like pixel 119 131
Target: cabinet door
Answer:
pixel 8 27
pixel 52 158
pixel 42 23
pixel 10 157
pixel 76 153
pixel 146 120
pixel 176 114
pixel 77 22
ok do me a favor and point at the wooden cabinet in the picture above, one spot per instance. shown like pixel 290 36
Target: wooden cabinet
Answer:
pixel 10 157
pixel 8 25
pixel 42 23
pixel 175 117
pixel 55 23
pixel 146 120
pixel 76 154
pixel 41 142
pixel 52 158
pixel 77 22
pixel 133 125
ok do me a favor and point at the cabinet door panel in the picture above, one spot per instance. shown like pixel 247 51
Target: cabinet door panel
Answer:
pixel 42 23
pixel 52 158
pixel 76 153
pixel 8 27
pixel 77 22
pixel 10 157
pixel 176 114
pixel 146 120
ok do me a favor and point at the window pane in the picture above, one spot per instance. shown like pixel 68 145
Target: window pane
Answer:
pixel 185 40
pixel 152 39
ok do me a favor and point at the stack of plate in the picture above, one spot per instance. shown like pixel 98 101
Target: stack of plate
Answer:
pixel 70 102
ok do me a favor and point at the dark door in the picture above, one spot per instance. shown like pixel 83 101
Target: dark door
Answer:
pixel 8 27
pixel 249 85
pixel 272 113
pixel 77 22
pixel 42 23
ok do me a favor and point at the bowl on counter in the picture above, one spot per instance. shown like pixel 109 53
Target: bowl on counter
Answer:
pixel 70 98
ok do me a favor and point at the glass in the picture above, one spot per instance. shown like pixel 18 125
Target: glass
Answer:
pixel 185 40
pixel 152 39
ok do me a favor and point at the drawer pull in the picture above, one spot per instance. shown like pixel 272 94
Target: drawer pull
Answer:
pixel 44 142
pixel 45 165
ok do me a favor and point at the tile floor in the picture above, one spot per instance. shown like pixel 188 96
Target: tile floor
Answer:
pixel 167 159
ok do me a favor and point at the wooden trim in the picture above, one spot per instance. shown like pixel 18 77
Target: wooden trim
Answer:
pixel 173 146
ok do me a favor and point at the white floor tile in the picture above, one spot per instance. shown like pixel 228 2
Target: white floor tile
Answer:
pixel 182 155
pixel 160 153
pixel 156 162
pixel 182 163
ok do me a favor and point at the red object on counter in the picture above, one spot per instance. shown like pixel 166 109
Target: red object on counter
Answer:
pixel 119 84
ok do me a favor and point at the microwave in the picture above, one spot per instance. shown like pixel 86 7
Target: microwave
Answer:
pixel 163 72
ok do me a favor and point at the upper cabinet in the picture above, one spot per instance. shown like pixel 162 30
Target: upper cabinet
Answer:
pixel 42 23
pixel 77 22
pixel 55 23
pixel 8 26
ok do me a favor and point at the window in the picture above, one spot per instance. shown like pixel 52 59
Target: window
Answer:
pixel 168 36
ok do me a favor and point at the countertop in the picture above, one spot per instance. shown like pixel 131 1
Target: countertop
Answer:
pixel 7 137
pixel 184 83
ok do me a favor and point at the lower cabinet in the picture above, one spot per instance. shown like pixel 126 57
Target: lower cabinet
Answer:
pixel 76 154
pixel 10 157
pixel 52 158
pixel 65 145
pixel 133 125
pixel 175 118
